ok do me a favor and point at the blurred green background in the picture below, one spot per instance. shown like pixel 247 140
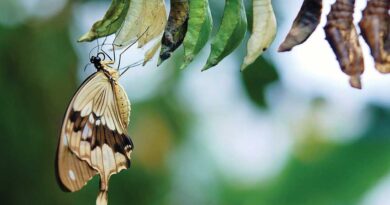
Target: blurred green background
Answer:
pixel 280 133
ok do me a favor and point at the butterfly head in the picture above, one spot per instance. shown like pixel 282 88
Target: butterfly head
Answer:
pixel 97 60
pixel 101 64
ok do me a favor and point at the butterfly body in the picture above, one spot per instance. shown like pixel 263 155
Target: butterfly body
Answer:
pixel 94 138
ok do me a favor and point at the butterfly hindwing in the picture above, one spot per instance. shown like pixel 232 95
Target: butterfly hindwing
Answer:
pixel 94 134
pixel 68 166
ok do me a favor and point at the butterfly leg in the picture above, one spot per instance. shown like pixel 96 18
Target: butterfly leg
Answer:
pixel 120 55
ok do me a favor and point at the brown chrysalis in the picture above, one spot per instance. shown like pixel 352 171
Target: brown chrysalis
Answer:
pixel 375 28
pixel 304 24
pixel 343 38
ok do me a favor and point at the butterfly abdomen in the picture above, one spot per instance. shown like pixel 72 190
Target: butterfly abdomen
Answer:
pixel 123 104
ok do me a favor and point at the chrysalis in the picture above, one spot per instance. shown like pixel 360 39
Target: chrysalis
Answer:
pixel 343 38
pixel 304 24
pixel 375 27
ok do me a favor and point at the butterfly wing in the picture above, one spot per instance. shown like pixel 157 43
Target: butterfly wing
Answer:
pixel 93 137
pixel 68 166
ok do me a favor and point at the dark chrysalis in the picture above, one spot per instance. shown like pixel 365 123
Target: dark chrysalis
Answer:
pixel 304 24
pixel 375 28
pixel 343 38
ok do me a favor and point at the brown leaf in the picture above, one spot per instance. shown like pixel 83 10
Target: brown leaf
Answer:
pixel 343 38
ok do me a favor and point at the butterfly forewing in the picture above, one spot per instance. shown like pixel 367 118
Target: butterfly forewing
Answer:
pixel 94 135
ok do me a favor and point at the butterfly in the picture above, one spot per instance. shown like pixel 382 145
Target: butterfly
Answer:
pixel 94 137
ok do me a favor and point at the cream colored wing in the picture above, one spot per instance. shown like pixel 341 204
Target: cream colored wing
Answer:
pixel 93 137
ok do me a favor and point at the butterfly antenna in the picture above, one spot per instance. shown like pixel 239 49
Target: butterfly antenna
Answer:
pixel 104 56
pixel 120 55
pixel 89 55
pixel 106 53
pixel 85 67
pixel 99 47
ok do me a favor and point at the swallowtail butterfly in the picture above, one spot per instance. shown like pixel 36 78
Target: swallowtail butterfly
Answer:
pixel 94 137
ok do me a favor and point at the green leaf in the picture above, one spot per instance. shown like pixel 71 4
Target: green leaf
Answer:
pixel 199 28
pixel 256 78
pixel 110 23
pixel 230 33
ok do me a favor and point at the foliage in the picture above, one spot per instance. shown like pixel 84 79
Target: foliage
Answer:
pixel 38 76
